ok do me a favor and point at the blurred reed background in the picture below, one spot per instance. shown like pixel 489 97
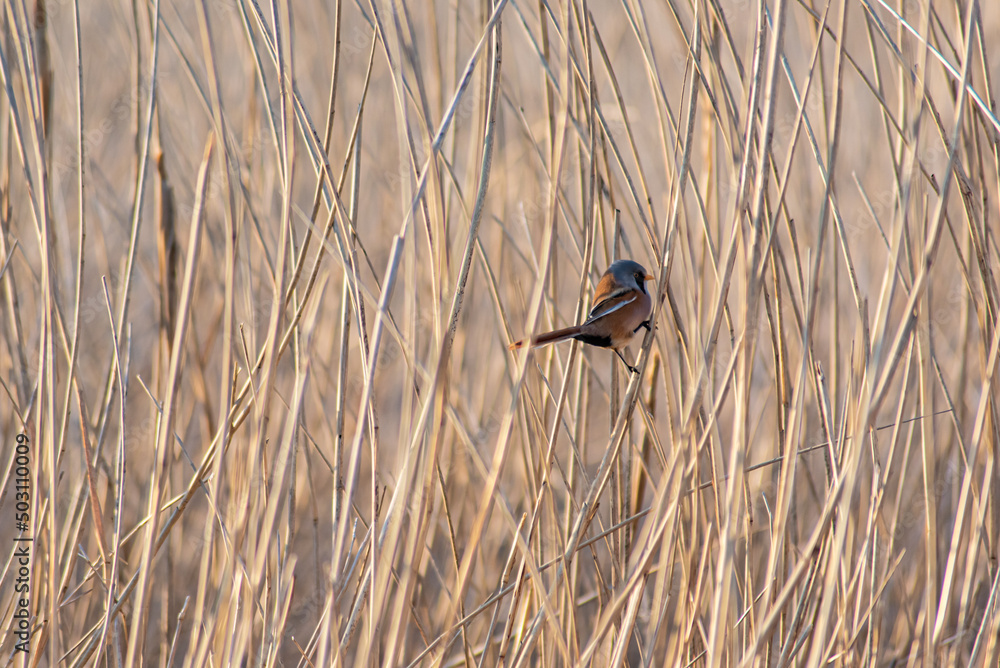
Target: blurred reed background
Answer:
pixel 260 264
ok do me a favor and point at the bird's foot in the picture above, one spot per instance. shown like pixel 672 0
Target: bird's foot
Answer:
pixel 627 365
pixel 644 323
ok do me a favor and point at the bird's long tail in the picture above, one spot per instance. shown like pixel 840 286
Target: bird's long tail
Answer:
pixel 547 338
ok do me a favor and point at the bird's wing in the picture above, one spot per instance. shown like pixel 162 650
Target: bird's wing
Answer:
pixel 610 305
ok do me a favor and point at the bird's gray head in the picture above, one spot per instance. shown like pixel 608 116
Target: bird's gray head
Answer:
pixel 627 272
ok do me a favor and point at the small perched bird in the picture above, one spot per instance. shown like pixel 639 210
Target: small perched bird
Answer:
pixel 621 307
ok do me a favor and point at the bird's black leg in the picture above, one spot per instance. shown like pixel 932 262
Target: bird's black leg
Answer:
pixel 644 323
pixel 627 365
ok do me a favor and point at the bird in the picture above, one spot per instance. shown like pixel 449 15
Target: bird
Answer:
pixel 621 308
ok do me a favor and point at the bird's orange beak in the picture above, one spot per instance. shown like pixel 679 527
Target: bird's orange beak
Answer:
pixel 649 277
